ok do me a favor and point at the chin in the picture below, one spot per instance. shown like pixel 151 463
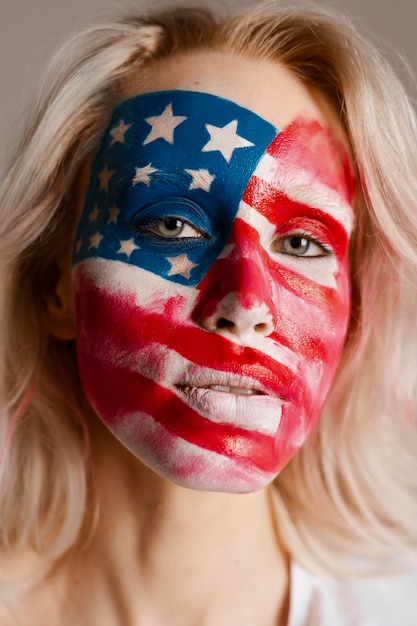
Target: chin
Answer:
pixel 186 464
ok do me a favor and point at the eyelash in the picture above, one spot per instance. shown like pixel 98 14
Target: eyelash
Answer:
pixel 326 249
pixel 146 228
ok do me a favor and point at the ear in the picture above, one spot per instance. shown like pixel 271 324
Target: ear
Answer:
pixel 59 301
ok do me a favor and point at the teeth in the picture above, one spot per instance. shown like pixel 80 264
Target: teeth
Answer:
pixel 237 390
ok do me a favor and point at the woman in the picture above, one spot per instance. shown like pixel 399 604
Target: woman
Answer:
pixel 208 257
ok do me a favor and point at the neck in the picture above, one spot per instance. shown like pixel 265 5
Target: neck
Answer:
pixel 207 558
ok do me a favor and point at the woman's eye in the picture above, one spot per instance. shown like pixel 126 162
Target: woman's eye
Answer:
pixel 171 227
pixel 301 245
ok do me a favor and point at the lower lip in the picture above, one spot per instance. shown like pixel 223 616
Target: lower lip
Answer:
pixel 255 412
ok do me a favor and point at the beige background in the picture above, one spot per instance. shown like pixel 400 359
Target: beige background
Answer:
pixel 31 29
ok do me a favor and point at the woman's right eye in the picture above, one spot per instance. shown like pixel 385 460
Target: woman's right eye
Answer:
pixel 171 227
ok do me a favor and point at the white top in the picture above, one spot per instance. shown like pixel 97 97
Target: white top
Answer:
pixel 383 601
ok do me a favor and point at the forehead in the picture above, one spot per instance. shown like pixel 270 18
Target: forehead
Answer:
pixel 269 89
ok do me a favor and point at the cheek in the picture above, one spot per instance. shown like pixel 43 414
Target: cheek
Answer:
pixel 312 319
pixel 312 322
pixel 122 311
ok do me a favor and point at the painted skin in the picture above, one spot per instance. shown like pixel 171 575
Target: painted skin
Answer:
pixel 209 332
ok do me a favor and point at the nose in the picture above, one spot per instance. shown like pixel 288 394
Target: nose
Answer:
pixel 236 297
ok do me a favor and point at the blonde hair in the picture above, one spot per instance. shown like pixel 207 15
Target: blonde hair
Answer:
pixel 352 489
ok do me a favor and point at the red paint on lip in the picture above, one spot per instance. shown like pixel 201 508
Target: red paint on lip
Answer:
pixel 141 394
pixel 306 145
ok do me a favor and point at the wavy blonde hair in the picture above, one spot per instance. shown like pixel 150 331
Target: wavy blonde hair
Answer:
pixel 352 489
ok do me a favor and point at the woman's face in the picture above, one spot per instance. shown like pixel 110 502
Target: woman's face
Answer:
pixel 211 273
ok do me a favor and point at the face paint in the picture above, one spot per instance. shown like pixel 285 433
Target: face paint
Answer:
pixel 212 285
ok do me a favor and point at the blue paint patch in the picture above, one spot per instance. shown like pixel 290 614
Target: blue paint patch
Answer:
pixel 166 155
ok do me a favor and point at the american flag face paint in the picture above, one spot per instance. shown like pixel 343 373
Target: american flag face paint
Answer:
pixel 212 285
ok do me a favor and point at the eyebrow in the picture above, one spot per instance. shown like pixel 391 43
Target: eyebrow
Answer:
pixel 290 183
pixel 267 198
pixel 175 178
pixel 326 200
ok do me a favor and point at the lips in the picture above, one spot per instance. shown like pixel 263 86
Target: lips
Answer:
pixel 247 408
pixel 225 398
pixel 257 381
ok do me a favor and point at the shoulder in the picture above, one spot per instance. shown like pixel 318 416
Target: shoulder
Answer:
pixel 378 601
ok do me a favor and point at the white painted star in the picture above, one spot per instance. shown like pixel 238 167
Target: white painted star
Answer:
pixel 181 265
pixel 127 246
pixel 163 125
pixel 225 139
pixel 95 240
pixel 104 177
pixel 202 179
pixel 143 174
pixel 78 246
pixel 118 133
pixel 113 213
pixel 94 214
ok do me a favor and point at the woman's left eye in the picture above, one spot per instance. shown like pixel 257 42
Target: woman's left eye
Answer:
pixel 171 227
pixel 301 245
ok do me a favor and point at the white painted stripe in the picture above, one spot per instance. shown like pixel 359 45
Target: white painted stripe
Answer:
pixel 301 186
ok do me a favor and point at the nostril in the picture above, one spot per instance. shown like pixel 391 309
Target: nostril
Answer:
pixel 222 322
pixel 262 328
pixel 233 319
